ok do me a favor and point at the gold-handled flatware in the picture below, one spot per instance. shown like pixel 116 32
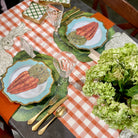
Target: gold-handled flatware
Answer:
pixel 51 102
pixel 73 8
pixel 59 112
pixel 65 18
pixel 73 17
pixel 50 111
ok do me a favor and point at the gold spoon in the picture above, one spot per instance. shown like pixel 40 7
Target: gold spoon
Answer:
pixel 59 112
pixel 51 102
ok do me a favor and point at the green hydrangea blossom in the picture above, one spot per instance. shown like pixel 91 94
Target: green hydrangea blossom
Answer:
pixel 114 79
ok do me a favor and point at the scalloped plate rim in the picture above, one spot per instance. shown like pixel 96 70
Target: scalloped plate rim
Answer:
pixel 90 19
pixel 23 101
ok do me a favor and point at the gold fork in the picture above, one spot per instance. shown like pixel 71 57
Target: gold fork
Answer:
pixel 51 102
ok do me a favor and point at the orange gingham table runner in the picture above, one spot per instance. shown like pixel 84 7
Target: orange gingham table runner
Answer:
pixel 79 118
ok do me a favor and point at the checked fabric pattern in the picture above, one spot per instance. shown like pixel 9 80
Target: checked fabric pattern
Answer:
pixel 35 11
pixel 79 118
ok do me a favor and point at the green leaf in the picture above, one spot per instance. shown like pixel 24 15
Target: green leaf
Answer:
pixel 132 91
pixel 21 56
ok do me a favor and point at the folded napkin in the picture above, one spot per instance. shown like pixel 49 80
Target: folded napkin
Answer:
pixel 7 108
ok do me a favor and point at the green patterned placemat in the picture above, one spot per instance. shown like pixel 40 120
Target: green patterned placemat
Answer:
pixel 63 43
pixel 59 87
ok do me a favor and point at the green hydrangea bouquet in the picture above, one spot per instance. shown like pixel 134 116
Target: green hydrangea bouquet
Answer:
pixel 115 80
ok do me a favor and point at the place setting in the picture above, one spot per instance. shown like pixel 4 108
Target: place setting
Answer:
pixel 81 32
pixel 29 82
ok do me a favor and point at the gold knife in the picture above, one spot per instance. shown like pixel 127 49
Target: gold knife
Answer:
pixel 50 111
